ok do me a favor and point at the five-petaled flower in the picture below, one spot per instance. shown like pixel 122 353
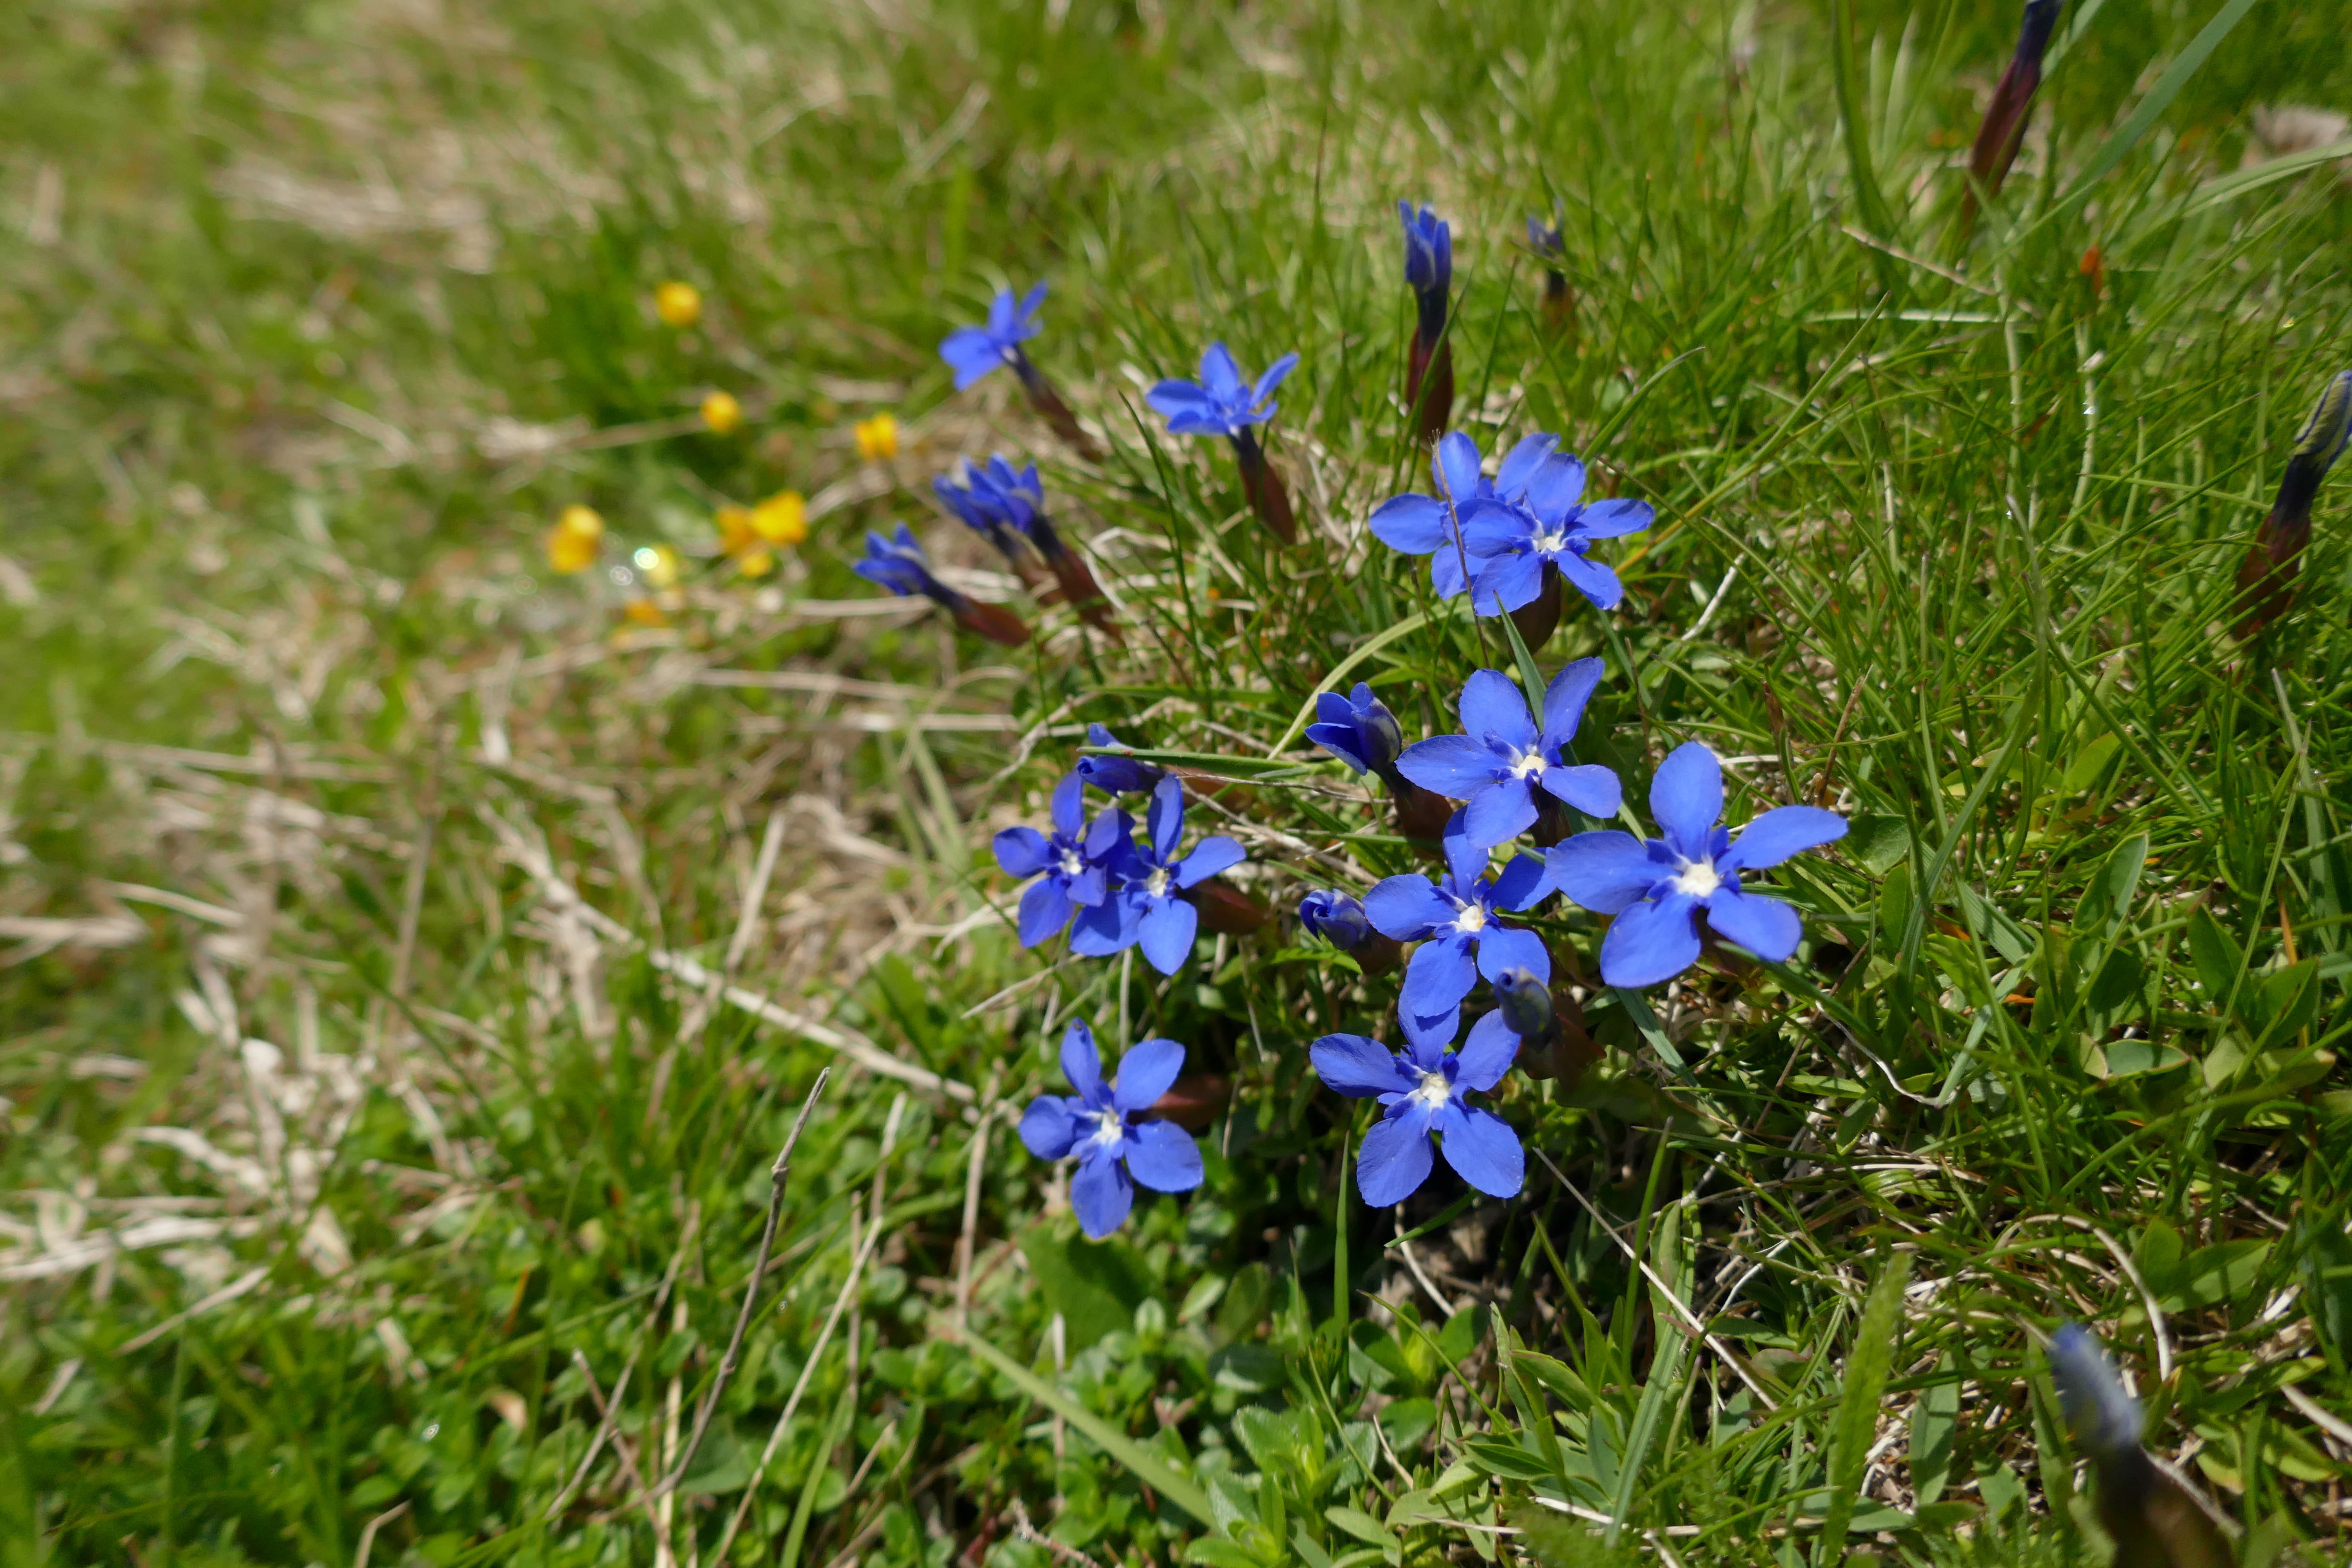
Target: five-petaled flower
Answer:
pixel 1147 908
pixel 1076 860
pixel 1658 890
pixel 897 563
pixel 1225 401
pixel 1511 538
pixel 975 351
pixel 1098 1124
pixel 1431 525
pixel 1422 1091
pixel 1455 921
pixel 1495 765
pixel 1116 774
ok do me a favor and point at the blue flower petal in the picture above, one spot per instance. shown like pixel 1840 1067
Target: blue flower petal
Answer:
pixel 1499 813
pixel 1174 397
pixel 1512 947
pixel 1410 524
pixel 972 353
pixel 1520 465
pixel 1556 486
pixel 1101 1194
pixel 1455 466
pixel 1602 872
pixel 1089 886
pixel 1047 1128
pixel 1027 325
pixel 1686 797
pixel 1595 582
pixel 1045 911
pixel 1145 1072
pixel 1440 975
pixel 1276 375
pixel 1523 884
pixel 1104 929
pixel 1212 855
pixel 1610 518
pixel 1455 766
pixel 1428 1040
pixel 1493 707
pixel 1165 821
pixel 1082 1064
pixel 1340 741
pixel 1765 927
pixel 1356 1066
pixel 1405 907
pixel 1564 700
pixel 1447 576
pixel 1023 852
pixel 1487 1054
pixel 1220 375
pixel 1777 834
pixel 1509 583
pixel 1651 941
pixel 1069 811
pixel 1165 933
pixel 1163 1157
pixel 1395 1160
pixel 1482 1149
pixel 1590 787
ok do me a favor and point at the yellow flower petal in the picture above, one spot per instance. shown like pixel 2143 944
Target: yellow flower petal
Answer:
pixel 677 304
pixel 581 522
pixel 877 438
pixel 723 413
pixel 782 519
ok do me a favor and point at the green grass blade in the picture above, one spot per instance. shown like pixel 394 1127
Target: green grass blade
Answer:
pixel 1866 1371
pixel 2127 135
pixel 1867 197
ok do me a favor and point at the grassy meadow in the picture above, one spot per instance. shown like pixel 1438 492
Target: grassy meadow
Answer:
pixel 413 957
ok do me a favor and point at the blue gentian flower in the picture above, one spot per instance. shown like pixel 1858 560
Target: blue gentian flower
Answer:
pixel 1336 917
pixel 1657 890
pixel 1001 500
pixel 972 505
pixel 1458 918
pixel 1424 1091
pixel 1098 1124
pixel 897 563
pixel 1223 402
pixel 1495 765
pixel 1511 538
pixel 1428 266
pixel 1116 775
pixel 1358 729
pixel 1076 861
pixel 1146 908
pixel 1416 524
pixel 975 351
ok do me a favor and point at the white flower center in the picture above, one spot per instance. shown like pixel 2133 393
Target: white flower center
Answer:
pixel 1435 1091
pixel 1549 542
pixel 1072 862
pixel 1109 1127
pixel 1698 879
pixel 1527 764
pixel 1157 883
pixel 1472 919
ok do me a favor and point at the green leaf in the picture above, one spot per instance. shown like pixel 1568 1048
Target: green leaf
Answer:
pixel 2126 136
pixel 1094 1285
pixel 2088 765
pixel 2225 1271
pixel 2215 954
pixel 2327 1280
pixel 1877 843
pixel 1868 200
pixel 2108 898
pixel 1357 1523
pixel 1934 1422
pixel 1856 1427
pixel 1148 1467
pixel 2117 983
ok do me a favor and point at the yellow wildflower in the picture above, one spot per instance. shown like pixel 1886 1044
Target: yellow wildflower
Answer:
pixel 742 542
pixel 657 564
pixel 782 519
pixel 677 304
pixel 877 438
pixel 645 613
pixel 573 544
pixel 723 413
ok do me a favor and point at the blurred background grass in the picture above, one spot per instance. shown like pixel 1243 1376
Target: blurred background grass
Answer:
pixel 313 317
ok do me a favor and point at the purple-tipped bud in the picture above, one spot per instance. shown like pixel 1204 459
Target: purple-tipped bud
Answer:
pixel 2266 578
pixel 2104 1419
pixel 1428 265
pixel 1526 1003
pixel 1116 775
pixel 1359 730
pixel 2003 130
pixel 1548 242
pixel 1336 917
pixel 897 563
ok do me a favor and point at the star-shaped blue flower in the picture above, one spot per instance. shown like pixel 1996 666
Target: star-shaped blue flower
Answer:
pixel 1658 890
pixel 1146 908
pixel 1358 729
pixel 1076 861
pixel 1116 775
pixel 1098 1124
pixel 1223 402
pixel 975 351
pixel 1455 921
pixel 974 502
pixel 897 563
pixel 1512 537
pixel 1424 1091
pixel 1431 525
pixel 1495 763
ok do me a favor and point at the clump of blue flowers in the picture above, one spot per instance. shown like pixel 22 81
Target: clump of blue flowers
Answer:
pixel 1072 864
pixel 897 563
pixel 1431 525
pixel 1423 1093
pixel 1429 272
pixel 1657 890
pixel 1454 919
pixel 1149 906
pixel 976 352
pixel 1225 402
pixel 1007 506
pixel 1102 1125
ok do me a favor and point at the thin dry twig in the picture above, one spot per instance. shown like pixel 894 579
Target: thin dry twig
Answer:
pixel 727 1363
